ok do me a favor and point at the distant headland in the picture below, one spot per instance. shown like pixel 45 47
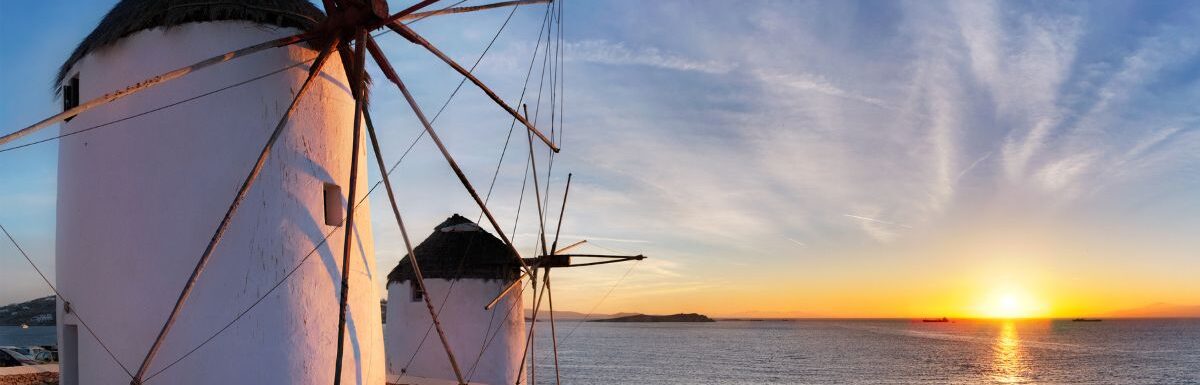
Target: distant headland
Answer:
pixel 689 317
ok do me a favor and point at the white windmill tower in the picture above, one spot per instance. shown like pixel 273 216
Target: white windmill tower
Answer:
pixel 463 266
pixel 139 201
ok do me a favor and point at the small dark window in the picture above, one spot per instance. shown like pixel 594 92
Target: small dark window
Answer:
pixel 70 94
pixel 415 289
pixel 333 205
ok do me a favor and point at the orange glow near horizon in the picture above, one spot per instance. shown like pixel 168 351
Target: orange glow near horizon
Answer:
pixel 1009 303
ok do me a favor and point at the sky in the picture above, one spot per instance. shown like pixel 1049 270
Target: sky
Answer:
pixel 836 158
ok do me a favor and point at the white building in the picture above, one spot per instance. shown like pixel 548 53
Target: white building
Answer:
pixel 464 268
pixel 138 200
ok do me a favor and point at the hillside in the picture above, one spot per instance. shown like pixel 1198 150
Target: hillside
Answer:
pixel 38 312
pixel 689 317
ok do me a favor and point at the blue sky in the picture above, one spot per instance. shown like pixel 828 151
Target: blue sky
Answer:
pixel 822 157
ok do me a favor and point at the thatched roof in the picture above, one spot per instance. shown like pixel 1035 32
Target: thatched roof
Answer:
pixel 130 16
pixel 459 248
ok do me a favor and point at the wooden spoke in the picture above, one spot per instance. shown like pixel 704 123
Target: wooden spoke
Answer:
pixel 390 73
pixel 569 247
pixel 449 11
pixel 233 207
pixel 507 289
pixel 537 192
pixel 412 255
pixel 562 210
pixel 553 332
pixel 151 82
pixel 412 36
pixel 528 349
pixel 399 15
pixel 355 79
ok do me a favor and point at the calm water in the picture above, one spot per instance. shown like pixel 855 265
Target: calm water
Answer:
pixel 35 335
pixel 878 352
pixel 857 352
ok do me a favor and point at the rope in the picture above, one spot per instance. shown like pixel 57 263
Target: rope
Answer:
pixel 64 299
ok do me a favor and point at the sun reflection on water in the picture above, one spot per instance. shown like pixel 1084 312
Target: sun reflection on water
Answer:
pixel 1008 367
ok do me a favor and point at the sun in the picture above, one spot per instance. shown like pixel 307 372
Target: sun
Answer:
pixel 1010 303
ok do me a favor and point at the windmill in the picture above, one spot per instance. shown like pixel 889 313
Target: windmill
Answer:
pixel 131 213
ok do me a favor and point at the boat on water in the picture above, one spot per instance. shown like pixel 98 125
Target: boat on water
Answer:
pixel 1086 320
pixel 943 319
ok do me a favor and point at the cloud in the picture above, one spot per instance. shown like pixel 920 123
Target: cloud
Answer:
pixel 618 53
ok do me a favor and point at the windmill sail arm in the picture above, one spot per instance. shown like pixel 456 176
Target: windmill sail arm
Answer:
pixel 412 36
pixel 474 8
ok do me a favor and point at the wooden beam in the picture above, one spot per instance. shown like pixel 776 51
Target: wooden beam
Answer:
pixel 553 332
pixel 562 210
pixel 233 207
pixel 399 15
pixel 153 81
pixel 569 247
pixel 390 73
pixel 412 36
pixel 448 11
pixel 356 86
pixel 412 254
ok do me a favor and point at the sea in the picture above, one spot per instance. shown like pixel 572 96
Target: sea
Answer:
pixel 1114 351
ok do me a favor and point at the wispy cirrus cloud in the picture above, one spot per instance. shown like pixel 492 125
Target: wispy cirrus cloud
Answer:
pixel 620 53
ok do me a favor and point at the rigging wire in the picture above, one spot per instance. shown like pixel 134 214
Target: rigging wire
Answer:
pixel 65 301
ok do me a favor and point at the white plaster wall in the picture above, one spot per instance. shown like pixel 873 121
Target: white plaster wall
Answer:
pixel 139 200
pixel 465 323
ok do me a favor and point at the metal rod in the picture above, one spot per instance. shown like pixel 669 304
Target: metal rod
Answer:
pixel 356 87
pixel 151 82
pixel 388 71
pixel 448 11
pixel 562 210
pixel 233 207
pixel 412 36
pixel 412 255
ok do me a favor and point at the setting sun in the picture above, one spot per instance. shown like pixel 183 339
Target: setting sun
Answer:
pixel 1010 303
